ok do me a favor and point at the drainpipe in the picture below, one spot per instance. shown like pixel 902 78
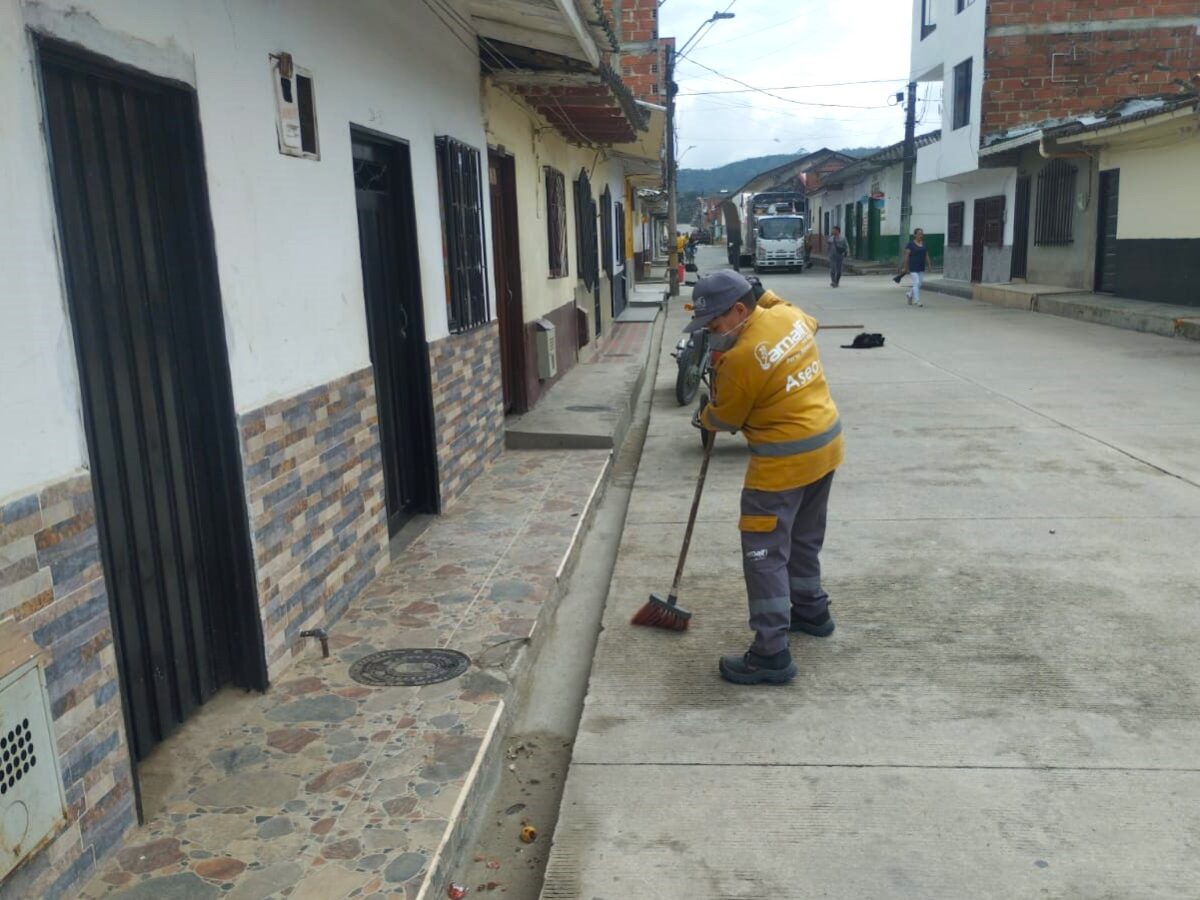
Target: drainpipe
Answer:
pixel 1060 154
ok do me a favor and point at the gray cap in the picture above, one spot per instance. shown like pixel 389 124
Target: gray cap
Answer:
pixel 715 294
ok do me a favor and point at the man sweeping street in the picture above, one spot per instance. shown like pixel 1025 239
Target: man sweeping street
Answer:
pixel 770 385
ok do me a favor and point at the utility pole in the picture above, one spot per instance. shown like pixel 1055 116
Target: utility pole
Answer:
pixel 672 223
pixel 910 163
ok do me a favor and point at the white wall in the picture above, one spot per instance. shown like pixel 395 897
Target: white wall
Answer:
pixel 41 434
pixel 1157 200
pixel 958 36
pixel 286 228
pixel 984 183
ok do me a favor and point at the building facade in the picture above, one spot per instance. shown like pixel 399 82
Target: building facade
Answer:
pixel 249 327
pixel 1027 196
pixel 863 199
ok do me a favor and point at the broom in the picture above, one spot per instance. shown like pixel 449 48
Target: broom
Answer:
pixel 658 612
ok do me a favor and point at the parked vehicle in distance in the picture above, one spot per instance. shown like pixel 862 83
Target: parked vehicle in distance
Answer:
pixel 758 206
pixel 702 236
pixel 779 242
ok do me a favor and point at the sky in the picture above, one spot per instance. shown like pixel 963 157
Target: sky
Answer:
pixel 775 44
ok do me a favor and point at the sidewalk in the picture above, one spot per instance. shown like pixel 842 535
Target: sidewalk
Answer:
pixel 324 788
pixel 1165 319
pixel 1007 706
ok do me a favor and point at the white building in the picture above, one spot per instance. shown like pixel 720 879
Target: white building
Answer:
pixel 948 50
pixel 248 327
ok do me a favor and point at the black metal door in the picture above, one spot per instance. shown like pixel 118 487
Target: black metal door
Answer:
pixel 395 325
pixel 1020 250
pixel 157 399
pixel 588 261
pixel 506 254
pixel 978 237
pixel 1106 231
pixel 620 270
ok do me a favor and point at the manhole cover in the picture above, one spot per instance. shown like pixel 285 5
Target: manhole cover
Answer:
pixel 590 408
pixel 409 667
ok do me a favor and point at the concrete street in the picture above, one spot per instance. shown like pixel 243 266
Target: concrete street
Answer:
pixel 1008 707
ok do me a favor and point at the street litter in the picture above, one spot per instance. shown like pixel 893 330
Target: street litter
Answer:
pixel 528 834
pixel 456 892
pixel 865 341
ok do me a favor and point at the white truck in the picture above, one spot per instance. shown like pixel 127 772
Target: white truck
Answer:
pixel 778 242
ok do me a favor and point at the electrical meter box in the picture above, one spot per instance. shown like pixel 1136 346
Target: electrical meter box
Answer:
pixel 32 805
pixel 547 349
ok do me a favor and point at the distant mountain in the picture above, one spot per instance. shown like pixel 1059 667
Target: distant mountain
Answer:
pixel 735 174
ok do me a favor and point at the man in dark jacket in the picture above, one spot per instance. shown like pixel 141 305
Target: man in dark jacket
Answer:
pixel 838 249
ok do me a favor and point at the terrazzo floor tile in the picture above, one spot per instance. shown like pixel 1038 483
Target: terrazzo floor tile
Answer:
pixel 326 788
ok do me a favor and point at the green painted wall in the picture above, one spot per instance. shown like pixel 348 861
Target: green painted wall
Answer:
pixel 889 247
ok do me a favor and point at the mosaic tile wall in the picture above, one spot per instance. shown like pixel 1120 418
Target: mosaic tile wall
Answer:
pixel 468 406
pixel 314 489
pixel 52 589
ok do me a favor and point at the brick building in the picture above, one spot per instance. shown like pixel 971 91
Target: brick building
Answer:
pixel 1058 119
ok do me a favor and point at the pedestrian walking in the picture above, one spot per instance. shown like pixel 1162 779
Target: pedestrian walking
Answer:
pixel 838 249
pixel 770 385
pixel 915 256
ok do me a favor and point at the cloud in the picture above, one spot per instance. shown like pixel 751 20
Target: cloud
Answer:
pixel 772 43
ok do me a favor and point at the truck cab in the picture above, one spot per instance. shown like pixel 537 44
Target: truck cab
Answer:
pixel 779 242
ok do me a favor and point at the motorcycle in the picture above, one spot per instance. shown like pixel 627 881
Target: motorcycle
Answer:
pixel 694 358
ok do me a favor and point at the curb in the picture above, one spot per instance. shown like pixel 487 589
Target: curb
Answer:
pixel 485 771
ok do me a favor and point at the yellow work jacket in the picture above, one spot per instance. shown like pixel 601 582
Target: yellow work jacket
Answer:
pixel 771 386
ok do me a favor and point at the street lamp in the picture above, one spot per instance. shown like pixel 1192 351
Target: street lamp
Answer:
pixel 673 255
pixel 716 17
pixel 680 157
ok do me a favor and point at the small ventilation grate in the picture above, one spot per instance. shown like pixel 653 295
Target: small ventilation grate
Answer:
pixel 409 667
pixel 16 756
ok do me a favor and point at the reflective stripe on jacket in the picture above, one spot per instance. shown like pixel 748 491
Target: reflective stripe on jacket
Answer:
pixel 771 386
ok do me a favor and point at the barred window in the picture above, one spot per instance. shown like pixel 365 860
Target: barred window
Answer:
pixel 556 221
pixel 1055 204
pixel 459 183
pixel 955 213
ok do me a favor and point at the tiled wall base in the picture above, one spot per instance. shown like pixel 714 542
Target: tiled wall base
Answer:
pixel 52 589
pixel 468 406
pixel 314 488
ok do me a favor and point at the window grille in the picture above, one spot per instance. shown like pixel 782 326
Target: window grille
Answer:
pixel 1055 218
pixel 962 93
pixel 556 221
pixel 955 213
pixel 459 182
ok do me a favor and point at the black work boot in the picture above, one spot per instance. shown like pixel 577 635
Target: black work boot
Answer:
pixel 750 668
pixel 821 626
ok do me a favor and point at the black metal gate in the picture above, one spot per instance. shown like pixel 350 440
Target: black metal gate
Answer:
pixel 157 399
pixel 1106 230
pixel 620 274
pixel 1020 250
pixel 588 262
pixel 387 239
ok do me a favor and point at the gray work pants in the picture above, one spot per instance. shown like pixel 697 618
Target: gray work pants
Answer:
pixel 835 268
pixel 781 564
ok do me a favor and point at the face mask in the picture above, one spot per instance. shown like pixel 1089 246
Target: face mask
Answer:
pixel 724 342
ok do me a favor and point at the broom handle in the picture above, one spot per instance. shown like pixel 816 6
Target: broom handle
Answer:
pixel 691 523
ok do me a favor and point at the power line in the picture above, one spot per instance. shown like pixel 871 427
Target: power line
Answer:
pixel 790 87
pixel 777 96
